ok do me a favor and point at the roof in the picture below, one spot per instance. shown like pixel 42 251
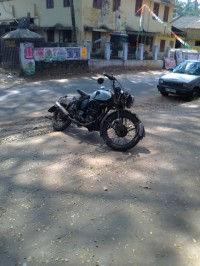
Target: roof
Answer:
pixel 21 33
pixel 186 22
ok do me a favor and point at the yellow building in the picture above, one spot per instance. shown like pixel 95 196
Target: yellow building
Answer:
pixel 94 21
pixel 189 28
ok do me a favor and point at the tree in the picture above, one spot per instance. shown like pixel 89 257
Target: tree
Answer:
pixel 189 8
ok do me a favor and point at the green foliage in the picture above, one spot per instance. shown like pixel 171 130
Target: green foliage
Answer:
pixel 187 8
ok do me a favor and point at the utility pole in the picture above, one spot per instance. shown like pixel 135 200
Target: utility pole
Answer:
pixel 74 39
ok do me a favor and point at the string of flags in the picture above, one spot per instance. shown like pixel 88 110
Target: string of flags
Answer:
pixel 160 21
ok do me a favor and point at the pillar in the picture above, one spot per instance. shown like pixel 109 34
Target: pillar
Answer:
pixel 140 52
pixel 155 52
pixel 168 52
pixel 107 51
pixel 125 51
pixel 89 49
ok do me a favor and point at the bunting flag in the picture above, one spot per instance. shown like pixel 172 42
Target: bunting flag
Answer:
pixel 160 21
pixel 140 28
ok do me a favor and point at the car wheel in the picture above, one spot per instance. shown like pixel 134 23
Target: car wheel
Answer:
pixel 164 93
pixel 195 94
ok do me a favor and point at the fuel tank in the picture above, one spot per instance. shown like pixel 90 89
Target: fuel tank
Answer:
pixel 101 95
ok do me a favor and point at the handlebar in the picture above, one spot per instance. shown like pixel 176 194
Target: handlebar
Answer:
pixel 109 77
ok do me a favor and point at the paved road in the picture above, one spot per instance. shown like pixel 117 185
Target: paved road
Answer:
pixel 67 199
pixel 32 99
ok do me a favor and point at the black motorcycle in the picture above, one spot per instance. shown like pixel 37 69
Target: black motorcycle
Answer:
pixel 103 110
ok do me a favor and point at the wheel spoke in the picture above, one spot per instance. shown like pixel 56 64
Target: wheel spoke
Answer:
pixel 121 133
pixel 131 132
pixel 60 121
pixel 131 128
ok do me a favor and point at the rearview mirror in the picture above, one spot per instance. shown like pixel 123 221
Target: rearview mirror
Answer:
pixel 100 80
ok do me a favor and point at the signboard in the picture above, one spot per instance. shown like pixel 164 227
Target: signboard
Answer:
pixel 49 54
pixel 27 58
pixel 170 63
pixel 61 54
pixel 83 53
pixel 191 56
pixel 39 54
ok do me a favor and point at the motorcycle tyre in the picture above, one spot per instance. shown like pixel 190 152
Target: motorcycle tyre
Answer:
pixel 105 126
pixel 56 125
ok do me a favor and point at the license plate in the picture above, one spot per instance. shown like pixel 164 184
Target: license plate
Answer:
pixel 170 90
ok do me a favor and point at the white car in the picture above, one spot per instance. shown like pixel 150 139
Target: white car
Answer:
pixel 184 81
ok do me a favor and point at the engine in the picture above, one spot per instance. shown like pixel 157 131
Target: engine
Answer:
pixel 84 111
pixel 93 111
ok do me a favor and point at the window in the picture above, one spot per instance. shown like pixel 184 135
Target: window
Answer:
pixel 162 46
pixel 67 36
pixel 50 35
pixel 166 14
pixel 66 3
pixel 97 4
pixel 116 4
pixel 197 43
pixel 138 5
pixel 156 9
pixel 50 3
pixel 149 40
pixel 95 37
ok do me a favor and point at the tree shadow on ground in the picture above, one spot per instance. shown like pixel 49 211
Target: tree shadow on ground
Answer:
pixel 65 199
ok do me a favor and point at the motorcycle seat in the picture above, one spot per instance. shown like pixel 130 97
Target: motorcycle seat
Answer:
pixel 82 93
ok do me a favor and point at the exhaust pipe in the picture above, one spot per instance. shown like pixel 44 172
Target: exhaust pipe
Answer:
pixel 62 108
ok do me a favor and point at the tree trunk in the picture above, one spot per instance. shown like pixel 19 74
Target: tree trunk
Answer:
pixel 196 5
pixel 74 40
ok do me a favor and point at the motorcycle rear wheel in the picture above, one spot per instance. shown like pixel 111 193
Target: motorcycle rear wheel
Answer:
pixel 60 121
pixel 121 133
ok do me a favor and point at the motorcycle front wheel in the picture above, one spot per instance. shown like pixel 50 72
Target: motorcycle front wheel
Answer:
pixel 60 121
pixel 121 132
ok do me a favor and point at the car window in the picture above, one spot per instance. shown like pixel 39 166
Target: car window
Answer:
pixel 197 71
pixel 190 68
pixel 180 68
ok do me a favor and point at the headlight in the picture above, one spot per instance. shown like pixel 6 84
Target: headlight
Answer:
pixel 161 81
pixel 187 85
pixel 129 100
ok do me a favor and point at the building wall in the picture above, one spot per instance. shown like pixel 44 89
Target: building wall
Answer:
pixel 38 11
pixel 153 25
pixel 193 38
pixel 193 34
pixel 17 9
pixel 100 20
pixel 94 17
pixel 106 17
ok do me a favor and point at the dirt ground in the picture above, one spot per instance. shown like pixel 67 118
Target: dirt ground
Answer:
pixel 67 199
